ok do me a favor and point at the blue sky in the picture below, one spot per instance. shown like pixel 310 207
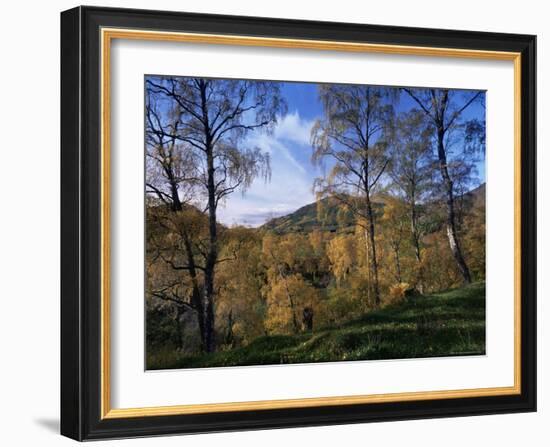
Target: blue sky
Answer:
pixel 290 186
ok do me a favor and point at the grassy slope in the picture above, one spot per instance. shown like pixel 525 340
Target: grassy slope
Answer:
pixel 443 324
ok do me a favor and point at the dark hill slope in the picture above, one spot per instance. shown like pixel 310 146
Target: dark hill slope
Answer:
pixel 329 214
pixel 326 215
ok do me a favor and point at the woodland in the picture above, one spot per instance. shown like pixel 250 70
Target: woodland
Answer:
pixel 387 262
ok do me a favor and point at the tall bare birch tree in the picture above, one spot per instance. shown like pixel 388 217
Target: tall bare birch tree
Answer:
pixel 170 170
pixel 215 117
pixel 445 108
pixel 352 139
pixel 412 173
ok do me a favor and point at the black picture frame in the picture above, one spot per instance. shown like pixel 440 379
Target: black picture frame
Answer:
pixel 81 223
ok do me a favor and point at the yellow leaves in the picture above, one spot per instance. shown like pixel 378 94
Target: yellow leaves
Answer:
pixel 239 299
pixel 397 292
pixel 317 241
pixel 342 254
pixel 296 252
pixel 287 298
pixel 271 283
pixel 474 240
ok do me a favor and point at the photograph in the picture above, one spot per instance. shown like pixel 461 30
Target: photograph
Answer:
pixel 304 222
pixel 277 222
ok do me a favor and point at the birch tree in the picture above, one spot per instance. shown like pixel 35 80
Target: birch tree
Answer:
pixel 445 109
pixel 215 116
pixel 170 170
pixel 412 173
pixel 352 139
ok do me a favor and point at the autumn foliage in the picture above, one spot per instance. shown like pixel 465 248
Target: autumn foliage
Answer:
pixel 397 215
pixel 267 280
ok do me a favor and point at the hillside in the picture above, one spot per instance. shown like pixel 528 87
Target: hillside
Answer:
pixel 330 215
pixel 477 195
pixel 326 214
pixel 443 324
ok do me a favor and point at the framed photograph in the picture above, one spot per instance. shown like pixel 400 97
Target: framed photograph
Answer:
pixel 276 223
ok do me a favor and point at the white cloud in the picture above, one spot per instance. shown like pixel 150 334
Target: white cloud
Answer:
pixel 275 148
pixel 290 130
pixel 284 194
pixel 293 128
pixel 291 181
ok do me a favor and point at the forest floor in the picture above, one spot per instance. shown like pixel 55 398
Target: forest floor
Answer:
pixel 442 324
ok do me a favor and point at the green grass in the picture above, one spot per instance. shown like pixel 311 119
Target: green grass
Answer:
pixel 442 324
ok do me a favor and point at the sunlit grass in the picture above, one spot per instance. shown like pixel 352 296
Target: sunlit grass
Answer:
pixel 443 324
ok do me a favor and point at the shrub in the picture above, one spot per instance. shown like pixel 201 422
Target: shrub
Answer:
pixel 397 293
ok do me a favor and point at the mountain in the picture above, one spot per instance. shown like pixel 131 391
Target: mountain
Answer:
pixel 329 214
pixel 476 195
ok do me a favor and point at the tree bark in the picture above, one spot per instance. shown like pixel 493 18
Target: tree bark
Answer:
pixel 307 318
pixel 209 270
pixel 179 313
pixel 229 336
pixel 438 118
pixel 289 297
pixel 397 263
pixel 212 254
pixel 372 246
pixel 196 301
pixel 451 214
pixel 416 244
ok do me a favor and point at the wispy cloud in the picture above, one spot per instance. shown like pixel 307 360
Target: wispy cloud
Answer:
pixel 291 179
pixel 274 147
pixel 293 128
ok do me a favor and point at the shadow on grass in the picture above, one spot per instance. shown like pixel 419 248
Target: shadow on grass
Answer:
pixel 443 324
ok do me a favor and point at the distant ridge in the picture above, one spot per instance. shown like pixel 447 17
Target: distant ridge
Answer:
pixel 326 214
pixel 329 214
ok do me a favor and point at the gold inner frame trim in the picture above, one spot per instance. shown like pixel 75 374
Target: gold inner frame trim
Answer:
pixel 107 35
